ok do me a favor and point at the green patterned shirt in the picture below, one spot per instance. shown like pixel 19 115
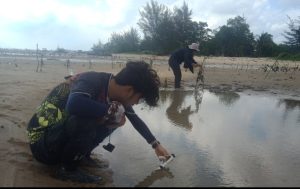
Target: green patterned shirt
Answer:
pixel 51 112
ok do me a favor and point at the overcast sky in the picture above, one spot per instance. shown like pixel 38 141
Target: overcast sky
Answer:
pixel 78 24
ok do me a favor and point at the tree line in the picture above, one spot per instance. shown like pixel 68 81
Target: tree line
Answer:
pixel 165 30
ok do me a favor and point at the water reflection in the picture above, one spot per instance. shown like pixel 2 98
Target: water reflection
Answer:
pixel 227 98
pixel 198 95
pixel 255 142
pixel 180 109
pixel 289 105
pixel 155 176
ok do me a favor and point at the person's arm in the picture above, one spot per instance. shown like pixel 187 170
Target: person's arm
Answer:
pixel 143 129
pixel 81 104
pixel 82 99
pixel 194 63
pixel 139 124
pixel 188 60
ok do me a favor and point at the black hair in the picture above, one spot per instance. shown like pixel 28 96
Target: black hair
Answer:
pixel 142 78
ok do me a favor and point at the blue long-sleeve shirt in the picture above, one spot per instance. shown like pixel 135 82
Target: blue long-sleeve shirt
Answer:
pixel 183 55
pixel 88 98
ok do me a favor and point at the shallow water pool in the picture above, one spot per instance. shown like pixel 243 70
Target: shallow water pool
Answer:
pixel 219 139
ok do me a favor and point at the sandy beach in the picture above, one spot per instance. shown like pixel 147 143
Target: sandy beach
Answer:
pixel 22 89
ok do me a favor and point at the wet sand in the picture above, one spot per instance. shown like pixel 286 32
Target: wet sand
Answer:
pixel 22 89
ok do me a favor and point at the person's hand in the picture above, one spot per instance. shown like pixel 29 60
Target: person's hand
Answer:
pixel 113 107
pixel 197 65
pixel 123 120
pixel 115 124
pixel 116 114
pixel 161 151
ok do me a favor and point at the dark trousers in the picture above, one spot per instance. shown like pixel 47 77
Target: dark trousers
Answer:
pixel 68 143
pixel 175 66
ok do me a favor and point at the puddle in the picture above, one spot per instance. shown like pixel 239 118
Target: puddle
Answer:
pixel 219 139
